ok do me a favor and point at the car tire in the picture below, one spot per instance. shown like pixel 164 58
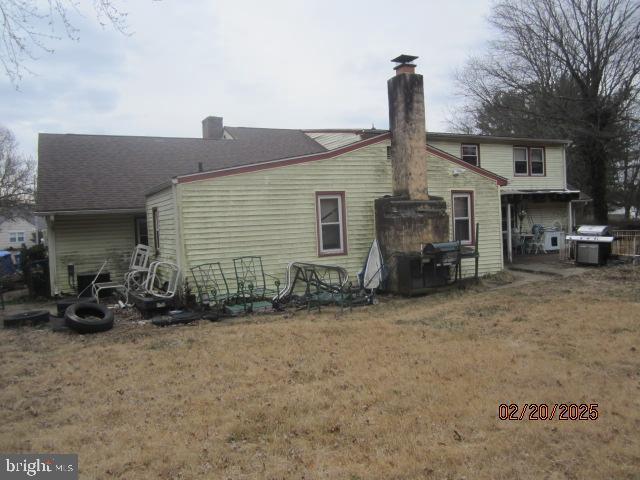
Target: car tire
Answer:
pixel 88 317
pixel 33 317
pixel 66 302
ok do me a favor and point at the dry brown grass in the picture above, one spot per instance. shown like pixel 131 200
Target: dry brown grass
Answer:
pixel 402 390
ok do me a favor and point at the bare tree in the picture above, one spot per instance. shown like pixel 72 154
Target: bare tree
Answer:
pixel 17 177
pixel 568 67
pixel 29 27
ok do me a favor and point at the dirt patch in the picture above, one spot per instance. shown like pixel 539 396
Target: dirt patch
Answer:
pixel 404 389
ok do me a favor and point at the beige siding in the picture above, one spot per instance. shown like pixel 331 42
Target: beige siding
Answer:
pixel 271 213
pixel 88 240
pixel 164 202
pixel 486 194
pixel 498 158
pixel 546 214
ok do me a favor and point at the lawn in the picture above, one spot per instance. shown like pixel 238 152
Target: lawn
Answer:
pixel 401 390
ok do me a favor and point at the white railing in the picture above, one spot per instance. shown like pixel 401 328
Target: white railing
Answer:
pixel 627 243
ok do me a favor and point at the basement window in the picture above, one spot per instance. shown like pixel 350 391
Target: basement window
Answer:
pixel 470 153
pixel 331 228
pixel 462 208
pixel 521 160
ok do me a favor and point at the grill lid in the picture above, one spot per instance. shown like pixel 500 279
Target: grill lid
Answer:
pixel 596 230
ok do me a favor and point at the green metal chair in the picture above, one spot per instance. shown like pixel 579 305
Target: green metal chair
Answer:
pixel 251 281
pixel 212 286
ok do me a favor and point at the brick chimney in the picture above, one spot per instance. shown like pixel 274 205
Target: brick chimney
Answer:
pixel 212 128
pixel 407 125
pixel 410 218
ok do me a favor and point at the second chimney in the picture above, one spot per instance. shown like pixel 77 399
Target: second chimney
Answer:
pixel 212 128
pixel 407 125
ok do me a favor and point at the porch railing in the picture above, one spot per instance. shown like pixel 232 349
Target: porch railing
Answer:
pixel 627 243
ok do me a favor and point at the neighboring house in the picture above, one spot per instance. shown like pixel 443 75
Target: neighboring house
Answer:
pixel 285 195
pixel 27 230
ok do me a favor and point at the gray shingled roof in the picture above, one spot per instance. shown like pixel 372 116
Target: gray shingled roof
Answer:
pixel 104 172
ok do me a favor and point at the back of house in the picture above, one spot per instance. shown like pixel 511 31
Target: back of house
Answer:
pixel 286 195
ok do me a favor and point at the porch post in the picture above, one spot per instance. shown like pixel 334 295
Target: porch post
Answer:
pixel 570 217
pixel 509 246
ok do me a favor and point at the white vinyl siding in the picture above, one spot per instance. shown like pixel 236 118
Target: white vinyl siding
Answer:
pixel 162 229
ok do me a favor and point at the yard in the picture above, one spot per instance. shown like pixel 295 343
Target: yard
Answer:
pixel 402 390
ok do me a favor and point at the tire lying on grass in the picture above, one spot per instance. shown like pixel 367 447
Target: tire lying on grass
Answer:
pixel 88 318
pixel 33 317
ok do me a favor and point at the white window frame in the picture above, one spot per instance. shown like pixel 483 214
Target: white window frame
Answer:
pixel 531 162
pixel 474 145
pixel 526 161
pixel 469 198
pixel 341 223
pixel 16 240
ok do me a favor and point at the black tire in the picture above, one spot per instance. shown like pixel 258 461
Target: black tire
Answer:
pixel 33 317
pixel 88 318
pixel 66 302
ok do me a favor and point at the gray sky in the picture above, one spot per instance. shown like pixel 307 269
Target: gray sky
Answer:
pixel 289 64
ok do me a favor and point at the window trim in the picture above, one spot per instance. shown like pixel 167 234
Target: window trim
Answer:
pixel 137 229
pixel 472 217
pixel 529 173
pixel 544 162
pixel 477 145
pixel 16 233
pixel 155 218
pixel 342 212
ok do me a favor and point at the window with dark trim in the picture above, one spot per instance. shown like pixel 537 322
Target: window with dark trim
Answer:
pixel 156 229
pixel 462 214
pixel 528 161
pixel 521 160
pixel 331 224
pixel 536 154
pixel 142 236
pixel 470 153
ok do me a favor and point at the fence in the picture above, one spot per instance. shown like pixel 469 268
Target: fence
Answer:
pixel 627 243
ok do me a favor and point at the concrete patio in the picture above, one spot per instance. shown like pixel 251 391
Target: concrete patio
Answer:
pixel 546 264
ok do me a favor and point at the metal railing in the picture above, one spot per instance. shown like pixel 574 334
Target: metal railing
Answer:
pixel 627 243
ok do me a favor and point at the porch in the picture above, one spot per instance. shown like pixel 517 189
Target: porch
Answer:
pixel 535 223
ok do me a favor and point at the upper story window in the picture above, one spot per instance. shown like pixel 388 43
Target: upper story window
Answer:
pixel 16 237
pixel 537 161
pixel 331 223
pixel 470 153
pixel 521 160
pixel 528 161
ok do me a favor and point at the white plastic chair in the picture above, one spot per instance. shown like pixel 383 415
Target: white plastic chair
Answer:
pixel 162 279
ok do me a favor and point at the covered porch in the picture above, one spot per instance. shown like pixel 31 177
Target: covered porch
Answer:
pixel 535 222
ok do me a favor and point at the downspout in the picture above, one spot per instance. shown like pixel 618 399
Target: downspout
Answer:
pixel 51 245
pixel 178 219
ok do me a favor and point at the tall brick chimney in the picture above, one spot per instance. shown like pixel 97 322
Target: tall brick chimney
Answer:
pixel 407 124
pixel 212 128
pixel 410 218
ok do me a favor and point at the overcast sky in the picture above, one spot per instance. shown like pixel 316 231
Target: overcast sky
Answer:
pixel 289 64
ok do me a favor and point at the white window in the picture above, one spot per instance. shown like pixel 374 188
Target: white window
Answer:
pixel 16 237
pixel 537 161
pixel 462 217
pixel 331 223
pixel 470 153
pixel 521 160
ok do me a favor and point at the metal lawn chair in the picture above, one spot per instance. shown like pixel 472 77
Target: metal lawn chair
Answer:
pixel 212 286
pixel 251 280
pixel 162 279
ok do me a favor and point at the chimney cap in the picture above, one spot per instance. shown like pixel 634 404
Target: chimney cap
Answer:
pixel 404 59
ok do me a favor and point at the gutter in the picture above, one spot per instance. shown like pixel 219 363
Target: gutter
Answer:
pixel 44 213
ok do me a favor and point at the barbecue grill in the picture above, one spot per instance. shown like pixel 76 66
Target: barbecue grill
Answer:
pixel 593 244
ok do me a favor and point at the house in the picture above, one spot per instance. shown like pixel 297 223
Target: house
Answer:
pixel 23 229
pixel 286 195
